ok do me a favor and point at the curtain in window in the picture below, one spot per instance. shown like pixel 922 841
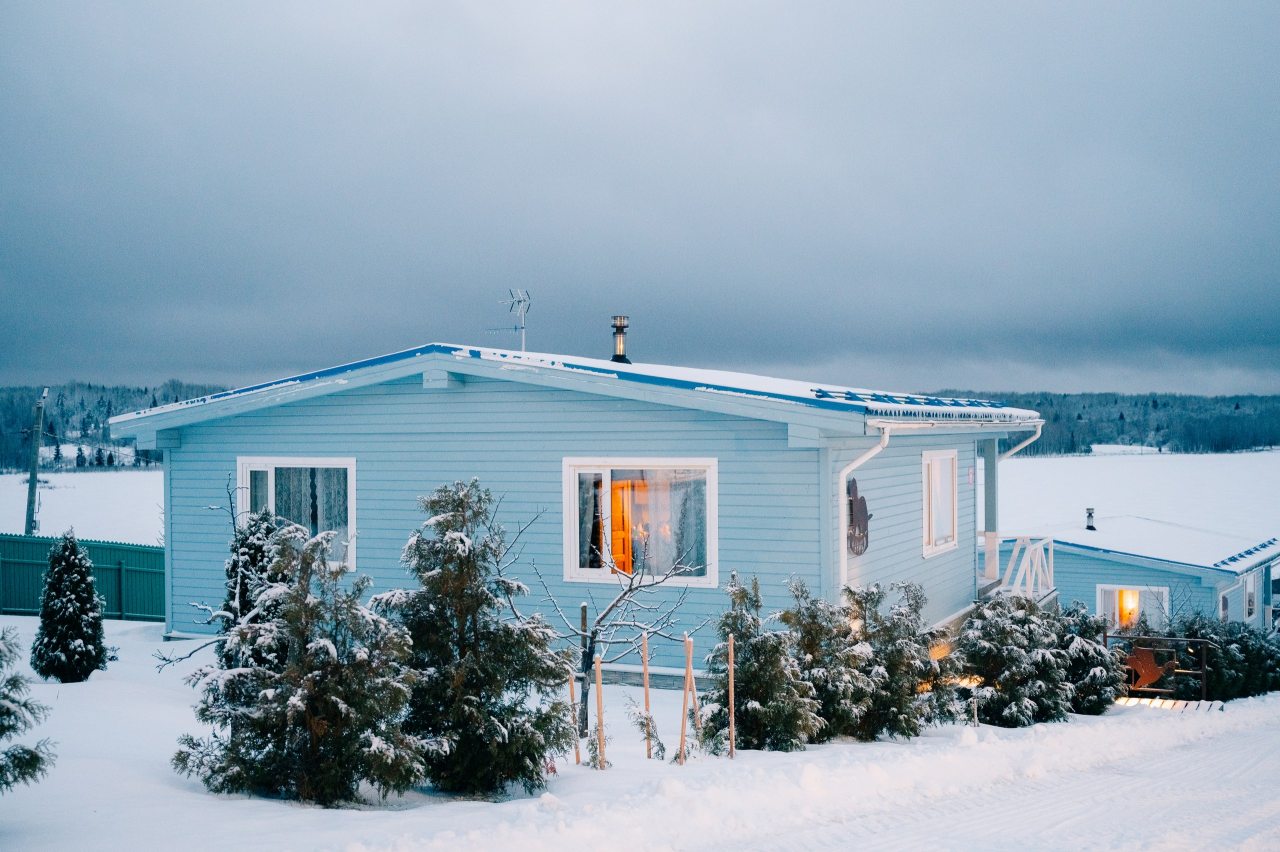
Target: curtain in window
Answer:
pixel 944 489
pixel 665 513
pixel 293 495
pixel 315 498
pixel 590 520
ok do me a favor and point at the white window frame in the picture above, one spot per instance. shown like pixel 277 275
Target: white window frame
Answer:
pixel 245 464
pixel 928 464
pixel 1162 591
pixel 572 466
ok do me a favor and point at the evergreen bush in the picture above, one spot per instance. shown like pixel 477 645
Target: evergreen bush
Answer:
pixel 489 684
pixel 837 667
pixel 1011 646
pixel 19 764
pixel 774 706
pixel 249 566
pixel 326 720
pixel 1243 663
pixel 1096 672
pixel 912 685
pixel 69 644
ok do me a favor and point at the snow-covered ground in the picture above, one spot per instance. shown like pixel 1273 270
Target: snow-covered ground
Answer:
pixel 1232 493
pixel 125 505
pixel 1134 778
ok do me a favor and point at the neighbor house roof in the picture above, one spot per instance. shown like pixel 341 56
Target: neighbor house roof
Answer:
pixel 674 385
pixel 1166 541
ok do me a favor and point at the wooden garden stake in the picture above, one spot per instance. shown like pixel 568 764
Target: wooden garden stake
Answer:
pixel 573 710
pixel 731 731
pixel 644 665
pixel 693 685
pixel 684 704
pixel 600 713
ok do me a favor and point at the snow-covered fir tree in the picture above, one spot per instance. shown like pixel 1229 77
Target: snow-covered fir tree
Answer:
pixel 1096 672
pixel 249 565
pixel 489 684
pixel 19 764
pixel 913 686
pixel 836 665
pixel 69 644
pixel 330 717
pixel 774 707
pixel 1011 646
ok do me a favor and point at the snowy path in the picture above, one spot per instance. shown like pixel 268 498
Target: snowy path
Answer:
pixel 1219 793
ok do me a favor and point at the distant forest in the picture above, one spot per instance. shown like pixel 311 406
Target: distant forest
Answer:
pixel 77 413
pixel 1171 422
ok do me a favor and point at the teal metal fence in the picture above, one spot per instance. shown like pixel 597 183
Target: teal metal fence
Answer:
pixel 129 576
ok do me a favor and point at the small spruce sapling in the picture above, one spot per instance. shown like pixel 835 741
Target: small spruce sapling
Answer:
pixel 19 764
pixel 644 723
pixel 1011 646
pixel 248 566
pixel 69 644
pixel 774 706
pixel 327 720
pixel 1095 671
pixel 489 682
pixel 831 661
pixel 913 685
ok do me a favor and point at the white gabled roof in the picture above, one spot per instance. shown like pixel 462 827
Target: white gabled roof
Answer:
pixel 1166 541
pixel 831 398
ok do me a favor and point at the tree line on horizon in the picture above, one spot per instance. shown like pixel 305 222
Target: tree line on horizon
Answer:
pixel 78 413
pixel 1175 423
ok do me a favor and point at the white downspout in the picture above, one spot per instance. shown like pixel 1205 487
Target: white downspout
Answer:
pixel 844 504
pixel 1028 442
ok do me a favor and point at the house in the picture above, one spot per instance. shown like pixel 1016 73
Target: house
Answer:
pixel 723 471
pixel 1127 566
pixel 1163 535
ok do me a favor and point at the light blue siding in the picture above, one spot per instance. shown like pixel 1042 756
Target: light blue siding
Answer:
pixel 407 440
pixel 892 483
pixel 1078 575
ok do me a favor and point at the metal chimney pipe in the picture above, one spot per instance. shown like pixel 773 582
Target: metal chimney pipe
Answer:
pixel 620 325
pixel 1088 519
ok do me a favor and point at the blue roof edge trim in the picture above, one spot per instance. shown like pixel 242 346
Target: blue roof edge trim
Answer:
pixel 843 400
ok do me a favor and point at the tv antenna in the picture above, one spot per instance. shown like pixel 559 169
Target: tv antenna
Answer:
pixel 518 305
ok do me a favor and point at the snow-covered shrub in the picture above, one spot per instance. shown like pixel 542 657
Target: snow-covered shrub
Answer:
pixel 327 719
pixel 912 686
pixel 644 722
pixel 489 683
pixel 1243 663
pixel 1095 671
pixel 18 714
pixel 774 706
pixel 1011 647
pixel 69 644
pixel 837 666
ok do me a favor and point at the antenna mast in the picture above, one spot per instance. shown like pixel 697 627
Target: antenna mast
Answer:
pixel 519 305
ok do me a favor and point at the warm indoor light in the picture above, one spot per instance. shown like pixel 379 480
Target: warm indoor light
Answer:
pixel 1127 606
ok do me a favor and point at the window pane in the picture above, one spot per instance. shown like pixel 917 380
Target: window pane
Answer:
pixel 331 507
pixel 257 491
pixel 659 520
pixel 295 498
pixel 1153 607
pixel 590 520
pixel 942 508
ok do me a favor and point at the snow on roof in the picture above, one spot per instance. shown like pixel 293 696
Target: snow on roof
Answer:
pixel 832 397
pixel 1210 511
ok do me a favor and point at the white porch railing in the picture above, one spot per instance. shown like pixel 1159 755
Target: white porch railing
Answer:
pixel 1029 570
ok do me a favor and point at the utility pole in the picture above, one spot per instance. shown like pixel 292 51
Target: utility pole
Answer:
pixel 36 440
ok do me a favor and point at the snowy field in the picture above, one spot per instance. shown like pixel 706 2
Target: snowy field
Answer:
pixel 1136 778
pixel 125 506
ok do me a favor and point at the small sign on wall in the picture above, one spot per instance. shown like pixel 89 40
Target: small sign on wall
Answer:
pixel 971 476
pixel 858 532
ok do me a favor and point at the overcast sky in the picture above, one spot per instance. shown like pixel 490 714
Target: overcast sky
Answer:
pixel 916 196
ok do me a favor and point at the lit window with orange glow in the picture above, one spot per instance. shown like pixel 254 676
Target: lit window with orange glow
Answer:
pixel 626 517
pixel 1125 606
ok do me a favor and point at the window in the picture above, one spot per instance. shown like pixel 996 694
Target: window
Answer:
pixel 939 474
pixel 316 493
pixel 1250 594
pixel 1224 607
pixel 1124 605
pixel 640 515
